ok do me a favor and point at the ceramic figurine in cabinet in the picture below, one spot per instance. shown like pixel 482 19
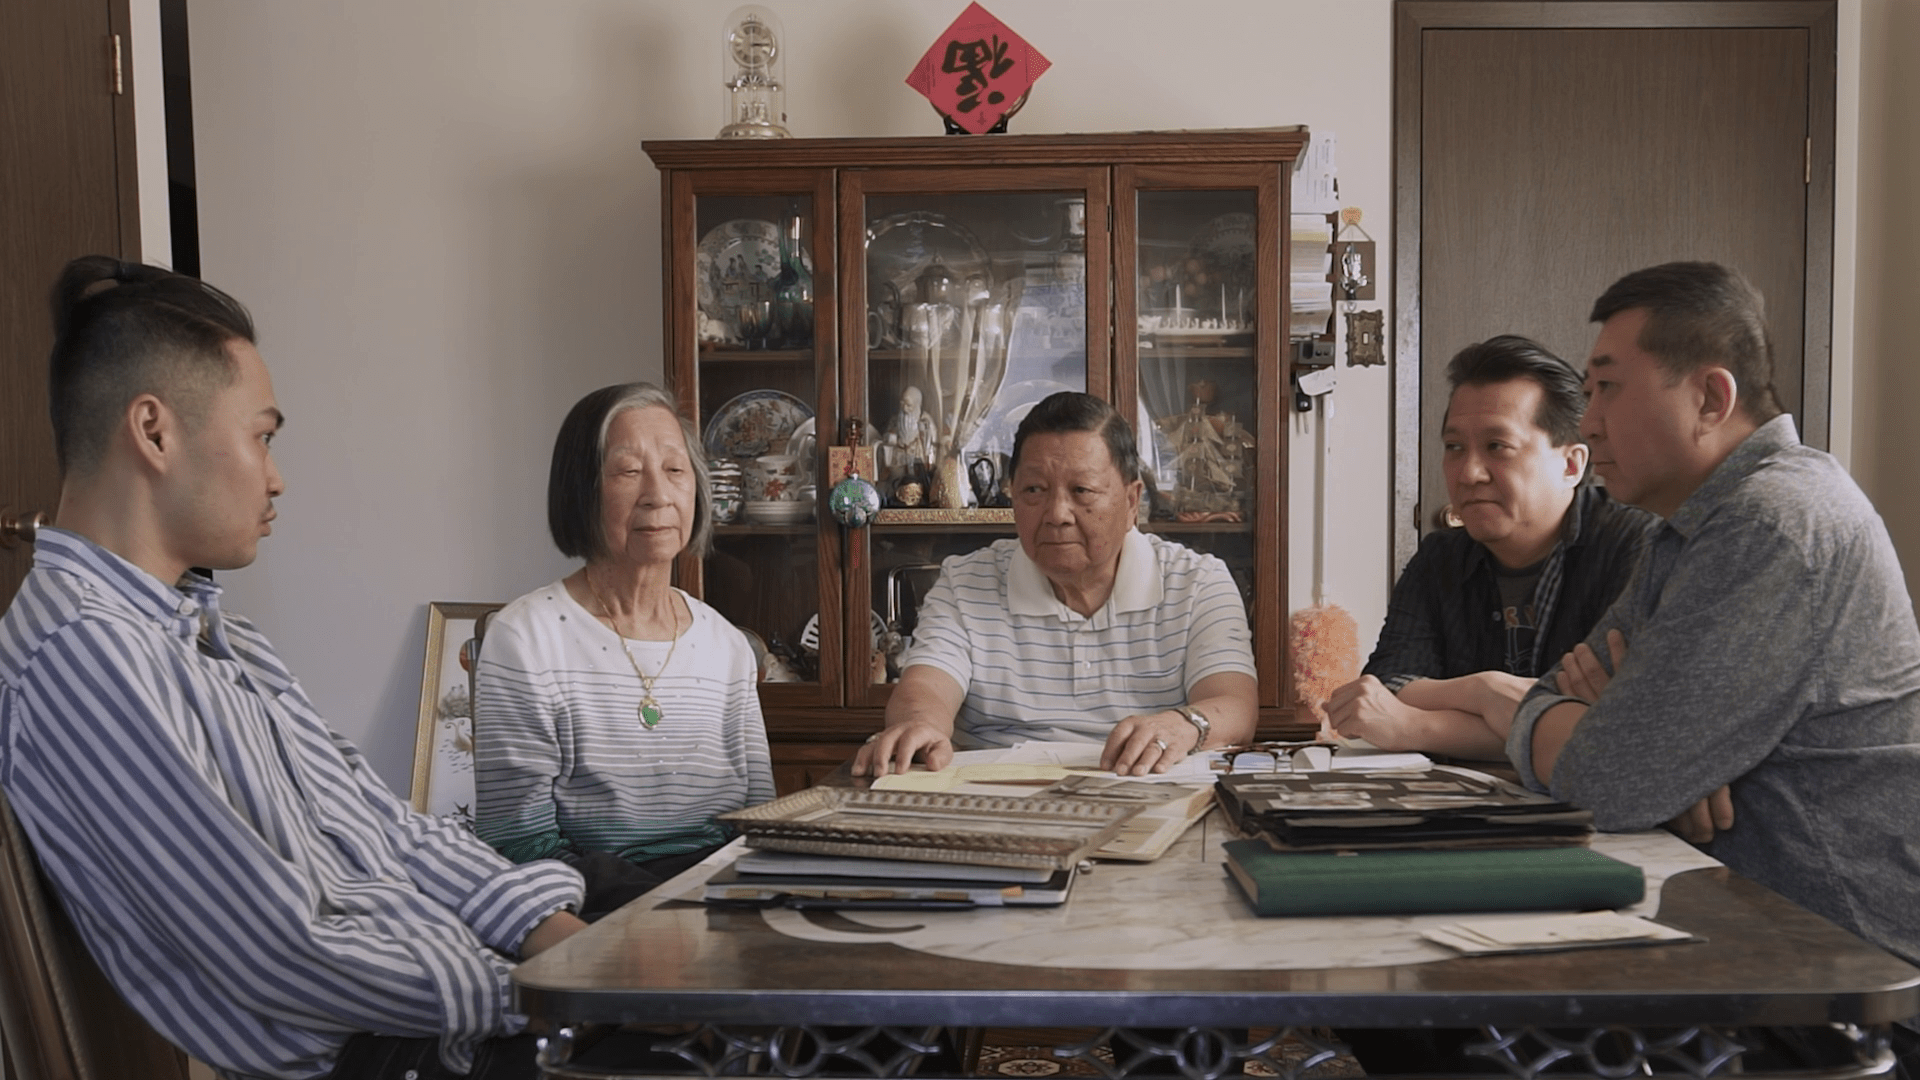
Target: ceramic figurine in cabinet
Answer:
pixel 906 451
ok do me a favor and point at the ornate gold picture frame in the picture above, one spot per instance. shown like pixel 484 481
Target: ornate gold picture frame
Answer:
pixel 443 741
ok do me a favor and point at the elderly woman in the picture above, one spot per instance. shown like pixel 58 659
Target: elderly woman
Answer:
pixel 616 715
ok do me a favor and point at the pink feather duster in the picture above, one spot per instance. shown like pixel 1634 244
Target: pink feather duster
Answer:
pixel 1325 645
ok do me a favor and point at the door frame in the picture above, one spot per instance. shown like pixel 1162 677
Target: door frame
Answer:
pixel 1820 18
pixel 28 473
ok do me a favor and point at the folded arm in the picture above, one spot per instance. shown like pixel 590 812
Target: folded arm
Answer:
pixel 1584 674
pixel 1455 717
pixel 1710 687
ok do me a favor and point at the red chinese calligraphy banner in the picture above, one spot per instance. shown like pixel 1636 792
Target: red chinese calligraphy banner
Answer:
pixel 977 70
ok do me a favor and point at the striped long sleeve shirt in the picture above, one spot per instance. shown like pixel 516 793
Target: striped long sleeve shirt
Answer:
pixel 244 879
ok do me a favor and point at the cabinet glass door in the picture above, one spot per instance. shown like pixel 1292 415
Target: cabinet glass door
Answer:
pixel 1195 291
pixel 1201 302
pixel 762 321
pixel 976 306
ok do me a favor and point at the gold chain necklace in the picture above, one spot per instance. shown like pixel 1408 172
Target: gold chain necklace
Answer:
pixel 649 708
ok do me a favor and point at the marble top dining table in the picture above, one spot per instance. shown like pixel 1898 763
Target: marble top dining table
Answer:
pixel 1172 943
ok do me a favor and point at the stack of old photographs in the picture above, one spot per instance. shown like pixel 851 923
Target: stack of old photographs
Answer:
pixel 1167 811
pixel 1413 841
pixel 846 848
pixel 1437 807
pixel 837 882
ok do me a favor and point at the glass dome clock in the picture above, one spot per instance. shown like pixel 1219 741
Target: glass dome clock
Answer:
pixel 753 54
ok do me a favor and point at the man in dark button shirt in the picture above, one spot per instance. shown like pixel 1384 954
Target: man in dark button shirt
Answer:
pixel 1482 610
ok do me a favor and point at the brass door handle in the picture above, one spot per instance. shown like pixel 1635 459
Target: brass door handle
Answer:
pixel 18 526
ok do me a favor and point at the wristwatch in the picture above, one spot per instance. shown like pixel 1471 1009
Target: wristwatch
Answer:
pixel 1199 723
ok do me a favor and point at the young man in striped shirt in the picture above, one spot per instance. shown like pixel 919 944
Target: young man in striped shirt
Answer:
pixel 1082 628
pixel 244 879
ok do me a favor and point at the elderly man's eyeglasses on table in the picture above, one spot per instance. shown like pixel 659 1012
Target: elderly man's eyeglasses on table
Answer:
pixel 1267 755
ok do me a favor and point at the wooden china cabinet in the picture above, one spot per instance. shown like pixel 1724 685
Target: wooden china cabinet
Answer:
pixel 934 289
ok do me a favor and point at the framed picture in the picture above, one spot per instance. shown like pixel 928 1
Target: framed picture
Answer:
pixel 443 743
pixel 934 826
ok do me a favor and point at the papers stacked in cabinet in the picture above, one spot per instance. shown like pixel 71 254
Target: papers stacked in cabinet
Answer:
pixel 1440 807
pixel 1310 292
pixel 934 827
pixel 1315 173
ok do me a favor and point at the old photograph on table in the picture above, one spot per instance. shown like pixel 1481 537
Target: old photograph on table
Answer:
pixel 932 826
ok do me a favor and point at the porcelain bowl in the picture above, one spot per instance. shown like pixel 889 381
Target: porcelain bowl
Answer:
pixel 779 512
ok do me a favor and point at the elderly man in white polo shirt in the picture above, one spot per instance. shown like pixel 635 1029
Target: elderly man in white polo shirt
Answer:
pixel 1082 628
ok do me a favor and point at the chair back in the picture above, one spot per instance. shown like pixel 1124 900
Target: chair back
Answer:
pixel 62 1019
pixel 470 656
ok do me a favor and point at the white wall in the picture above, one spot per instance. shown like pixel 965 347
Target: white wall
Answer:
pixel 442 218
pixel 1846 210
pixel 1886 371
pixel 149 132
pixel 443 221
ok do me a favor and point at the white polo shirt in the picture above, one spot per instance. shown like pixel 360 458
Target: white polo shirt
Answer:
pixel 1033 668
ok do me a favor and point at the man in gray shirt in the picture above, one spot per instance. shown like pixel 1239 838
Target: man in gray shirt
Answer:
pixel 1765 642
pixel 1762 661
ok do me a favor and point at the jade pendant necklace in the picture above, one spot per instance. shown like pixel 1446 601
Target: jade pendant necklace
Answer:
pixel 650 714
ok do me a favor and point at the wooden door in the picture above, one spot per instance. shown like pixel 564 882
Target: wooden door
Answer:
pixel 66 189
pixel 1546 152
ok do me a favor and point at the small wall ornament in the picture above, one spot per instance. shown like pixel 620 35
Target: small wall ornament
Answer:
pixel 1366 330
pixel 1366 338
pixel 978 72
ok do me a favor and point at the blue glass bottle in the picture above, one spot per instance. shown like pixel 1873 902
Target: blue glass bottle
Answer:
pixel 793 290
